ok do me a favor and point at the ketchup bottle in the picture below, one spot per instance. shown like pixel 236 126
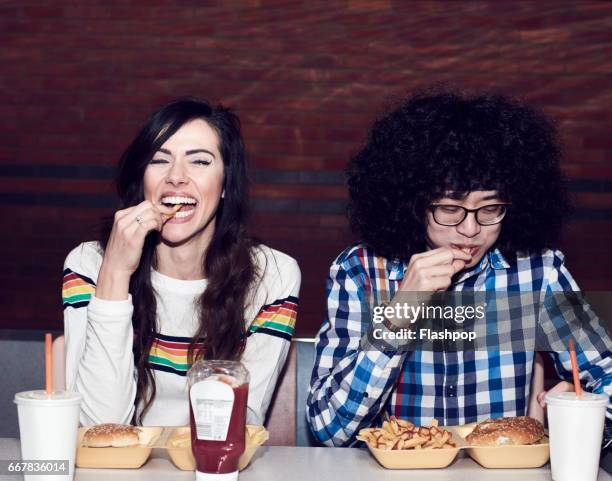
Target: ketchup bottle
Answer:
pixel 218 392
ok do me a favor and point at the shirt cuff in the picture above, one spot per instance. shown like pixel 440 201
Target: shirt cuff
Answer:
pixel 102 310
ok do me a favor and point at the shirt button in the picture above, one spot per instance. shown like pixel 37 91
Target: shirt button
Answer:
pixel 451 391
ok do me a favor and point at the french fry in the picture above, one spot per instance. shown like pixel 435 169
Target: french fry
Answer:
pixel 394 427
pixel 170 215
pixel 387 435
pixel 399 434
pixel 416 441
pixel 404 424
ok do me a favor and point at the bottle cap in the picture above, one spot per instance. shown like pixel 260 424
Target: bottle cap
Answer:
pixel 216 476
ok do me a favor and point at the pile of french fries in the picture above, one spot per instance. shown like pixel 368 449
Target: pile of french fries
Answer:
pixel 398 434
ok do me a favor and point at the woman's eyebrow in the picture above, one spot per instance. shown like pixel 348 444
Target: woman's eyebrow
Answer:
pixel 199 151
pixel 189 152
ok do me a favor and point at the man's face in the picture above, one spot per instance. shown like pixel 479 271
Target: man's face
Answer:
pixel 469 235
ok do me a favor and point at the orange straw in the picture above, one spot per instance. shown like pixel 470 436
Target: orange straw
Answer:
pixel 577 386
pixel 48 370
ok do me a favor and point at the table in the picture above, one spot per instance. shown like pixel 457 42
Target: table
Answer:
pixel 283 463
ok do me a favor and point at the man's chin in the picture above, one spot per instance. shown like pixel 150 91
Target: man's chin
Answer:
pixel 475 261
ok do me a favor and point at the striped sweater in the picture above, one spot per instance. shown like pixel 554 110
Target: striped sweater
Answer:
pixel 99 337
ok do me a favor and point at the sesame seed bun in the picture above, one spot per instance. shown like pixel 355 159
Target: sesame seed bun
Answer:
pixel 505 431
pixel 115 435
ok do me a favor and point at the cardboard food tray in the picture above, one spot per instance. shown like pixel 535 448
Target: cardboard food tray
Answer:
pixel 126 457
pixel 510 456
pixel 179 446
pixel 419 458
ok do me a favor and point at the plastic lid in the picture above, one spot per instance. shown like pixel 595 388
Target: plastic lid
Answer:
pixel 200 476
pixel 587 399
pixel 40 398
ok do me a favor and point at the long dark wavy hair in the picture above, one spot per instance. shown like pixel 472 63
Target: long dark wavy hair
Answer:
pixel 439 140
pixel 228 262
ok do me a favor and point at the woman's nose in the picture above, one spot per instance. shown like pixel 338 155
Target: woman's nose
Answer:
pixel 176 174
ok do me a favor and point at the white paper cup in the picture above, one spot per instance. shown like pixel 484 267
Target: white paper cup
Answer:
pixel 48 427
pixel 575 426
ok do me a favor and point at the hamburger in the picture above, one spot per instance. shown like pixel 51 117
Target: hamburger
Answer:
pixel 111 435
pixel 506 431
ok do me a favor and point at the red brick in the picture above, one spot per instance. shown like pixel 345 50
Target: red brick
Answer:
pixel 79 78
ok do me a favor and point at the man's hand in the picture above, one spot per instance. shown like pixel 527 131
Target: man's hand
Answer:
pixel 433 270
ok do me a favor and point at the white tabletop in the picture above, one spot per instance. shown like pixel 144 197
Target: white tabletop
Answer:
pixel 304 464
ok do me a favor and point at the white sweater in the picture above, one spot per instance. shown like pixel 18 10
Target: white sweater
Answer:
pixel 99 337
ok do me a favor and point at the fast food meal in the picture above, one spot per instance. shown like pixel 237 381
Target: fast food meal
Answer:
pixel 398 434
pixel 506 431
pixel 115 435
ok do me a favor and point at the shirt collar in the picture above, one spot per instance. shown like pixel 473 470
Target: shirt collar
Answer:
pixel 498 261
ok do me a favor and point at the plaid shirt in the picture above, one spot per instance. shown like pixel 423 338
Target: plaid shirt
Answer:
pixel 352 387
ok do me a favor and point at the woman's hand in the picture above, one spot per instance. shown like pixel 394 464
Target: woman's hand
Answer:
pixel 433 270
pixel 125 244
pixel 563 386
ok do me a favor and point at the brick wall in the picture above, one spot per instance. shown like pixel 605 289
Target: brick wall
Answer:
pixel 78 78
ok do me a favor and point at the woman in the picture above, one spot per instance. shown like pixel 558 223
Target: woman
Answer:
pixel 176 277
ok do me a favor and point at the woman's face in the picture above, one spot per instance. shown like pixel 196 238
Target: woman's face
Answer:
pixel 468 235
pixel 187 170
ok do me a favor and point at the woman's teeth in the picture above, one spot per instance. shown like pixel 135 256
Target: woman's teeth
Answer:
pixel 183 213
pixel 187 205
pixel 178 200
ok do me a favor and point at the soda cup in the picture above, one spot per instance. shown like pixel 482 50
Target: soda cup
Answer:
pixel 48 428
pixel 575 426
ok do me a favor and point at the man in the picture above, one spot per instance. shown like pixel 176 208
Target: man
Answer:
pixel 449 194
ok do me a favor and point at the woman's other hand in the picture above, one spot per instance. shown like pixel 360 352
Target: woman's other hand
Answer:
pixel 563 386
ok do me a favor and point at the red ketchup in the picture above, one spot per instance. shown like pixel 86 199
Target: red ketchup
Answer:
pixel 218 393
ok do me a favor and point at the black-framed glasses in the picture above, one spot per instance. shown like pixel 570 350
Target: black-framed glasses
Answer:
pixel 450 215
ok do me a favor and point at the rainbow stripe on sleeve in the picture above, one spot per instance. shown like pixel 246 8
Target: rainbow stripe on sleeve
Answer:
pixel 77 289
pixel 169 354
pixel 276 319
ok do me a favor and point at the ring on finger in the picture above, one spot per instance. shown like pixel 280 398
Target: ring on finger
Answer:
pixel 139 219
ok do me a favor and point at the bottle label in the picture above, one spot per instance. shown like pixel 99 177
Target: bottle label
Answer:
pixel 212 402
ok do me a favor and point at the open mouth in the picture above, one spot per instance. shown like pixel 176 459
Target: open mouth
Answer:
pixel 188 205
pixel 470 250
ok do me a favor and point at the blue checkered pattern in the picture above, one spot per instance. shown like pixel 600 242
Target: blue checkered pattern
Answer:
pixel 352 387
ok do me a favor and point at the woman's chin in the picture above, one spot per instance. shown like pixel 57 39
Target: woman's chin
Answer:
pixel 174 237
